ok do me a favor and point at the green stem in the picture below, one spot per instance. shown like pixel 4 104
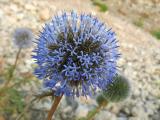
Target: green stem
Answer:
pixel 54 107
pixel 13 68
pixel 97 110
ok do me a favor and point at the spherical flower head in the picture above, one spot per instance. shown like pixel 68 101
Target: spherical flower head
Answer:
pixel 116 91
pixel 23 37
pixel 76 54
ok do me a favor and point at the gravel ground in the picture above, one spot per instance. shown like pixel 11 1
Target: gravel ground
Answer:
pixel 140 60
pixel 144 12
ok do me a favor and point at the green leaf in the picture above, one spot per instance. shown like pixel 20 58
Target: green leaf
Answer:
pixel 15 101
pixel 102 6
pixel 156 33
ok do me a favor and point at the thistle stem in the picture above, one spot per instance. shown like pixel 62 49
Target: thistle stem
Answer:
pixel 13 68
pixel 97 110
pixel 54 107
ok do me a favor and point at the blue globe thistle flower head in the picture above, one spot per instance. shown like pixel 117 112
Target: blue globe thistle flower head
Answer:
pixel 76 54
pixel 23 37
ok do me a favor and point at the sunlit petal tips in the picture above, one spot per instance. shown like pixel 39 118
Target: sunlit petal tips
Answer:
pixel 23 37
pixel 76 54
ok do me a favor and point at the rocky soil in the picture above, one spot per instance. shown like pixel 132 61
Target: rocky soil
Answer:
pixel 140 61
pixel 144 12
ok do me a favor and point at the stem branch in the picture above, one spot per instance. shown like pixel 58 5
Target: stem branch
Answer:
pixel 13 68
pixel 97 110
